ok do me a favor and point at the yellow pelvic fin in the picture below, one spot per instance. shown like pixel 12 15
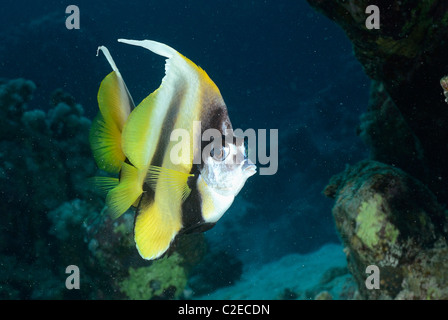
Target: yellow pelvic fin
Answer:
pixel 154 231
pixel 172 181
pixel 104 184
pixel 126 193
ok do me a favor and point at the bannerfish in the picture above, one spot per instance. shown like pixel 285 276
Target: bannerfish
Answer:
pixel 135 142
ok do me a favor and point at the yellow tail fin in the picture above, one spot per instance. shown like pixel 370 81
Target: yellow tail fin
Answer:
pixel 105 140
pixel 103 184
pixel 115 104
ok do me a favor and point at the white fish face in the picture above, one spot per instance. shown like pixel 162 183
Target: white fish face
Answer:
pixel 227 168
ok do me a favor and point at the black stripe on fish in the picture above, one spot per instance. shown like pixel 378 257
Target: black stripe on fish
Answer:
pixel 148 195
pixel 192 219
pixel 164 137
pixel 216 117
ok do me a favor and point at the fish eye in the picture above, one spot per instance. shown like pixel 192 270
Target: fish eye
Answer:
pixel 220 154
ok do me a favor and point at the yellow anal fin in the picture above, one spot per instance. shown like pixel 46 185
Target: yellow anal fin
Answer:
pixel 172 181
pixel 154 231
pixel 127 192
pixel 103 184
pixel 105 141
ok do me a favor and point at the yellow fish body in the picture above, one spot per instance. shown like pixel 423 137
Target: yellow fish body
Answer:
pixel 171 194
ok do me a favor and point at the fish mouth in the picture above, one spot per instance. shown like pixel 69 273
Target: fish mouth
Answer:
pixel 248 167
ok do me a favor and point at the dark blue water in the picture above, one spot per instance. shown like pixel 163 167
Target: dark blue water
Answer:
pixel 278 64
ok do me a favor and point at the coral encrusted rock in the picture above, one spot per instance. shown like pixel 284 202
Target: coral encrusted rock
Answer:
pixel 391 220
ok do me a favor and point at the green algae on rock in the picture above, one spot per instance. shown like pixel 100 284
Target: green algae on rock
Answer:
pixel 372 221
pixel 163 279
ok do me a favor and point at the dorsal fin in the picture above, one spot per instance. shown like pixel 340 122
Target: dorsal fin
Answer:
pixel 184 96
pixel 181 64
pixel 157 47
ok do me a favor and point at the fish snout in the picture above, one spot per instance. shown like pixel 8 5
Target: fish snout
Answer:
pixel 249 167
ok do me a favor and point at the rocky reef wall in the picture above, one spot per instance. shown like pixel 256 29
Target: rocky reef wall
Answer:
pixel 407 57
pixel 391 212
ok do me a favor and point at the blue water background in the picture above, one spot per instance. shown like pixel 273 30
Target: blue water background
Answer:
pixel 278 64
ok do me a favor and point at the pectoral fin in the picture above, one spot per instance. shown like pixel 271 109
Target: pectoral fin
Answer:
pixel 169 181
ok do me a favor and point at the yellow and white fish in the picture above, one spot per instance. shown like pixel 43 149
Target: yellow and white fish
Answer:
pixel 171 197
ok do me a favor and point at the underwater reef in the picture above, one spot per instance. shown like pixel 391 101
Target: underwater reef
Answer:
pixel 390 210
pixel 43 166
pixel 54 217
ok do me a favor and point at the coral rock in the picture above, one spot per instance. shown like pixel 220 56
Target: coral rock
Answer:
pixel 164 279
pixel 389 219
